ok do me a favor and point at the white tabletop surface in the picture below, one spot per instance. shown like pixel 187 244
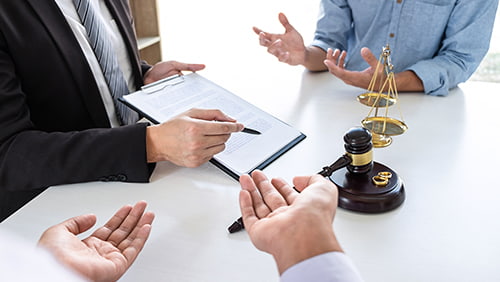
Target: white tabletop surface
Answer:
pixel 446 230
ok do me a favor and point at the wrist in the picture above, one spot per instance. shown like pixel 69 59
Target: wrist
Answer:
pixel 408 81
pixel 307 242
pixel 314 58
pixel 152 154
pixel 147 77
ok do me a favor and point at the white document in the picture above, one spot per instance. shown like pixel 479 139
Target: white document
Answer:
pixel 244 152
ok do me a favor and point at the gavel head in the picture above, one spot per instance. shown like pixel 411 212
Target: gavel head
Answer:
pixel 358 146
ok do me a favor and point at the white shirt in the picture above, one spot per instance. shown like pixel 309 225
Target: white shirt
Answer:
pixel 69 11
pixel 21 261
pixel 327 267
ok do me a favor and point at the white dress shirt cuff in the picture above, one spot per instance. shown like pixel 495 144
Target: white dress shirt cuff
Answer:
pixel 332 266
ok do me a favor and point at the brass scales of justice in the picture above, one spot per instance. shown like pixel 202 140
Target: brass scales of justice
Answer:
pixel 365 185
pixel 382 126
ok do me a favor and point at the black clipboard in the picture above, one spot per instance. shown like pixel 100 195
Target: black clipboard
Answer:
pixel 159 92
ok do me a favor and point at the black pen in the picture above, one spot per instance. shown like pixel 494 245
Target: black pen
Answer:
pixel 250 131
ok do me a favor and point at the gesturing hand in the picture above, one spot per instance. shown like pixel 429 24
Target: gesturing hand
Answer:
pixel 109 251
pixel 335 63
pixel 289 225
pixel 288 47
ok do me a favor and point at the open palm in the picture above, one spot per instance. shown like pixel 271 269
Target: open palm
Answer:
pixel 109 251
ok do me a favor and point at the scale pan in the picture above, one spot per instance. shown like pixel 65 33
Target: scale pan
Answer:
pixel 384 125
pixel 377 100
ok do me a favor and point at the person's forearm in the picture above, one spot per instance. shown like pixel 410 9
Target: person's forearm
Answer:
pixel 314 59
pixel 408 81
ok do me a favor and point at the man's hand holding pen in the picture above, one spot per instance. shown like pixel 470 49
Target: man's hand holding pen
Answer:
pixel 191 138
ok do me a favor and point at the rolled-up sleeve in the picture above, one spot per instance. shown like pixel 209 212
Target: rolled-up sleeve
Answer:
pixel 333 25
pixel 465 43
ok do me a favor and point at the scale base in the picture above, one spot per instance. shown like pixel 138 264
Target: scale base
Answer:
pixel 358 193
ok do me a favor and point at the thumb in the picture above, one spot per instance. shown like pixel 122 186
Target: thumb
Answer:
pixel 187 67
pixel 194 67
pixel 284 21
pixel 369 57
pixel 301 182
pixel 79 224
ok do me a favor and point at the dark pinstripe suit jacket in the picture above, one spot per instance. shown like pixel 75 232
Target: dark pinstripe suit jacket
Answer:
pixel 53 124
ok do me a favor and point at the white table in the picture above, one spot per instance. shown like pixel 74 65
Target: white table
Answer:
pixel 446 230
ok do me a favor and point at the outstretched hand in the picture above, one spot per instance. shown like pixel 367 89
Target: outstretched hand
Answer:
pixel 287 47
pixel 109 251
pixel 290 226
pixel 335 63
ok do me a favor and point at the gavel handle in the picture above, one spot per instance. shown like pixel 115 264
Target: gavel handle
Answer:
pixel 343 161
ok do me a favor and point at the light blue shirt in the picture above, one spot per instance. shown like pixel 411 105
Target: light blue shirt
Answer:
pixel 441 41
pixel 327 267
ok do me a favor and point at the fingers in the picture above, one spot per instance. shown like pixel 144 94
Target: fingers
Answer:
pixel 271 196
pixel 286 191
pixel 264 39
pixel 335 63
pixel 191 138
pixel 209 115
pixel 137 238
pixel 259 206
pixel 369 57
pixel 224 125
pixel 121 224
pixel 129 224
pixel 335 59
pixel 113 223
pixel 246 206
pixel 257 30
pixel 132 250
pixel 267 196
pixel 277 49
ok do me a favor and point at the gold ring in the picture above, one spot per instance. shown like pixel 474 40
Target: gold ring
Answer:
pixel 380 180
pixel 385 174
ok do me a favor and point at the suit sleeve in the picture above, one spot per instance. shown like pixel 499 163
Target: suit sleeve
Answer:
pixel 33 156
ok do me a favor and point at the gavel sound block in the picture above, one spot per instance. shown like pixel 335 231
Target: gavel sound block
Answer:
pixel 364 185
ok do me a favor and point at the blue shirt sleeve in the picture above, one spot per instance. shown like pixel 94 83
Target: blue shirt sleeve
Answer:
pixel 331 267
pixel 441 41
pixel 465 43
pixel 333 25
